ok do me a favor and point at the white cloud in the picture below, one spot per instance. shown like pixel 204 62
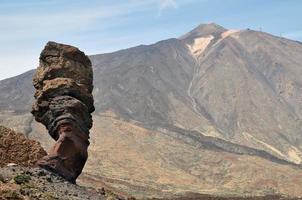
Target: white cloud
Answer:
pixel 163 4
pixel 166 4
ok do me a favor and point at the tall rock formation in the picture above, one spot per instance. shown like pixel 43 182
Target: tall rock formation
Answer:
pixel 63 83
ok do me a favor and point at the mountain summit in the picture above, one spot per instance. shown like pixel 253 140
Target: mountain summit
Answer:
pixel 204 30
pixel 216 111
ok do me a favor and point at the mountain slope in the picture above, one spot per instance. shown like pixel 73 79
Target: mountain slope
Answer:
pixel 243 100
pixel 203 113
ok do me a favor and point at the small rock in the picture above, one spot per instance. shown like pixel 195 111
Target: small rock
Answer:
pixel 11 165
pixel 2 179
pixel 49 179
pixel 102 191
pixel 41 173
pixel 28 173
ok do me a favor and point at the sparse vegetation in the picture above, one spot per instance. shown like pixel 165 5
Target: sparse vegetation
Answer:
pixel 22 179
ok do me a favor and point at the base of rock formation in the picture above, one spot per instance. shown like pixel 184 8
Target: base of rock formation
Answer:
pixel 69 154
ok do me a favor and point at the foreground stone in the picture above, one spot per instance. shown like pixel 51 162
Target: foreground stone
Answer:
pixel 64 104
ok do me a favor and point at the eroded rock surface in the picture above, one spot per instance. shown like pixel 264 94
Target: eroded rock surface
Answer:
pixel 16 148
pixel 64 104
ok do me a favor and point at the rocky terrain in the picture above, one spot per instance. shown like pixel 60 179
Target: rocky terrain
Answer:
pixel 25 181
pixel 20 183
pixel 215 111
pixel 20 179
pixel 15 148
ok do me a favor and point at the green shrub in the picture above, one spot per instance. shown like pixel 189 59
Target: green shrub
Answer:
pixel 22 178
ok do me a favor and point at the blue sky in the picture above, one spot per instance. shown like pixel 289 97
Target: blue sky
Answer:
pixel 99 26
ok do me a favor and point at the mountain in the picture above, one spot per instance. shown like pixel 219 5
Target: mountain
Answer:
pixel 215 111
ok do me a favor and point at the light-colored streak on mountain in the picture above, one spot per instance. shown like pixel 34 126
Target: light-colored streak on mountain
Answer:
pixel 200 44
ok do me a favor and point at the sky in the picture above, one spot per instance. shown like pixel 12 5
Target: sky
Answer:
pixel 101 26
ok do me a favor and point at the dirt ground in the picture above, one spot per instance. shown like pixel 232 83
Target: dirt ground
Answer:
pixel 208 197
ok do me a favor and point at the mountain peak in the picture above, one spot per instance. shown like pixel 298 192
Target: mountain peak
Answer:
pixel 204 30
pixel 212 26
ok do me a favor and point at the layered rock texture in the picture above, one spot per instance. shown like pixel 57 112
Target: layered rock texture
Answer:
pixel 63 103
pixel 215 111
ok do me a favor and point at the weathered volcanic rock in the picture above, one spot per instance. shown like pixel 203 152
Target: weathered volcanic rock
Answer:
pixel 60 60
pixel 16 148
pixel 64 104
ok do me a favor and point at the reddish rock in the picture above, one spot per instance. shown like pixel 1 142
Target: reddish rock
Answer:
pixel 64 104
pixel 16 148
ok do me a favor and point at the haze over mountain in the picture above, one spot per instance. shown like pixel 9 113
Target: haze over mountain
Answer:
pixel 214 111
